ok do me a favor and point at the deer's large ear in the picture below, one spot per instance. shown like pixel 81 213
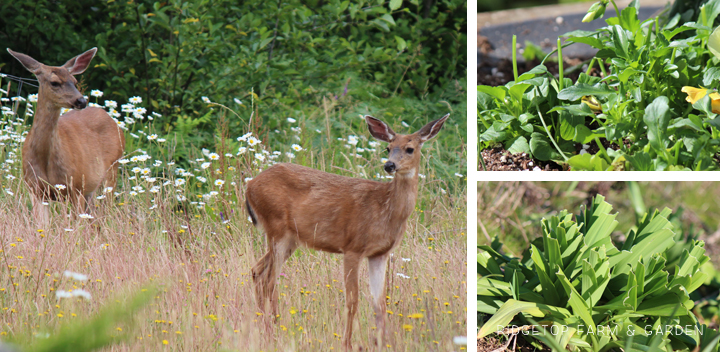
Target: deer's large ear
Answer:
pixel 78 64
pixel 29 63
pixel 380 130
pixel 431 129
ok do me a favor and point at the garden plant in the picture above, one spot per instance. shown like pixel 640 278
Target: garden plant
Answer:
pixel 577 287
pixel 645 100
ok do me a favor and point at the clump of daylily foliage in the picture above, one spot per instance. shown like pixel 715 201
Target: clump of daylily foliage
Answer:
pixel 642 100
pixel 578 289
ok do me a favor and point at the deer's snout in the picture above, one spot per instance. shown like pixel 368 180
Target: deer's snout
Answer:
pixel 80 103
pixel 390 167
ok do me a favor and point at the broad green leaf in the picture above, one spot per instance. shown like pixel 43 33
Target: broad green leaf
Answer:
pixel 578 304
pixel 517 90
pixel 542 148
pixel 656 118
pixel 511 308
pixel 401 44
pixel 711 76
pixel 598 224
pixel 592 41
pixel 497 92
pixel 663 306
pixel 506 313
pixel 518 145
pixel 492 134
pixel 576 92
pixel 395 4
pixel 548 288
pixel 620 42
pixel 641 161
pixel 588 162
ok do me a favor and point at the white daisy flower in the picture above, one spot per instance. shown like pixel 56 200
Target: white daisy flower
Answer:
pixel 219 182
pixel 252 141
pixel 213 156
pixel 296 147
pixel 96 93
pixel 86 216
pixel 244 137
pixel 136 100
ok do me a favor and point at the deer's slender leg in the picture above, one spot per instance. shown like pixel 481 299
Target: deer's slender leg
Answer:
pixel 283 250
pixel 260 274
pixel 377 267
pixel 266 271
pixel 351 265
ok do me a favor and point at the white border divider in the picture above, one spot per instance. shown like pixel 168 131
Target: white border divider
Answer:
pixel 472 175
pixel 479 176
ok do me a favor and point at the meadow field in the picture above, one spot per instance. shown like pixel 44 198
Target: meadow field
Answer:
pixel 175 228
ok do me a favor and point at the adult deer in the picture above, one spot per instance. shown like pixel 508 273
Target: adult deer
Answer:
pixel 296 205
pixel 77 150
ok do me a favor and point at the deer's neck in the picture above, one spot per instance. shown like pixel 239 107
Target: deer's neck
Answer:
pixel 402 192
pixel 44 141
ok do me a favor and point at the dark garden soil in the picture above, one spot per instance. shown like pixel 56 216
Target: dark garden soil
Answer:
pixel 499 159
pixel 492 344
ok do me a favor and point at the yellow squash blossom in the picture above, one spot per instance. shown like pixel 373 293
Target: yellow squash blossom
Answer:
pixel 695 94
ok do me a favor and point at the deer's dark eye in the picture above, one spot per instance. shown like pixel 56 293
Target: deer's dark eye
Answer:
pixel 387 149
pixel 409 150
pixel 55 84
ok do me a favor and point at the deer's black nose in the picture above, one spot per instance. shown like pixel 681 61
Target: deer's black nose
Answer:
pixel 81 103
pixel 389 167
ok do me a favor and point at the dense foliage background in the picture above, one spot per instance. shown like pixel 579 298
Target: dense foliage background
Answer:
pixel 282 58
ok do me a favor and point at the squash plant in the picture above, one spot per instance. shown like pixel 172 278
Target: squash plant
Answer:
pixel 585 292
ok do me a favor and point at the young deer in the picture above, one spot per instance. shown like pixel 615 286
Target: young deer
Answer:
pixel 78 150
pixel 296 205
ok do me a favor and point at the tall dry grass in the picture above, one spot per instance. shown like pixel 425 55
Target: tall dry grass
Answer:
pixel 200 255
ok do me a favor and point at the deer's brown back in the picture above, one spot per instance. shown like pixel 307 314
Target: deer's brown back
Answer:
pixel 324 211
